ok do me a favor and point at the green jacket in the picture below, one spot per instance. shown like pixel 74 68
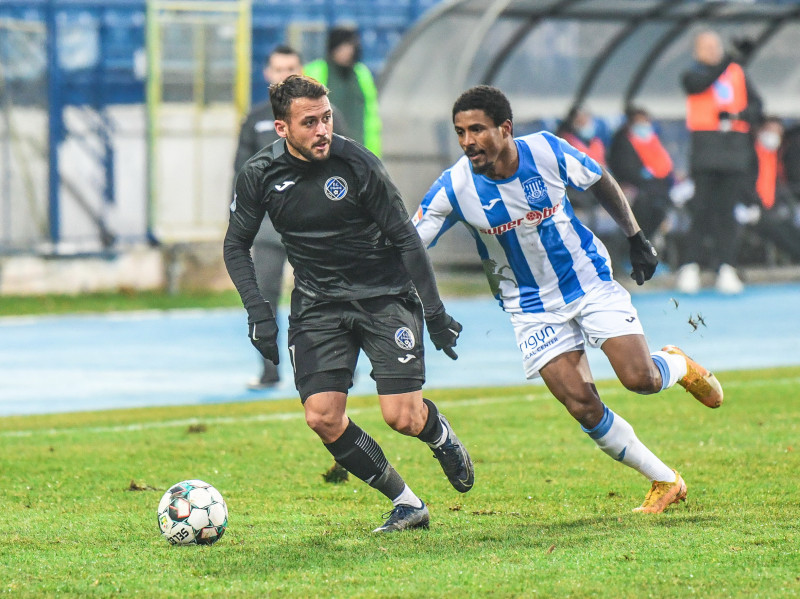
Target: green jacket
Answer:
pixel 318 69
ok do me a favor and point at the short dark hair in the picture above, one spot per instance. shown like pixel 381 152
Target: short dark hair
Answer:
pixel 293 87
pixel 283 49
pixel 631 112
pixel 487 98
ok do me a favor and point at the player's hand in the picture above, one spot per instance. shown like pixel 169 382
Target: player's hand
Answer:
pixel 644 258
pixel 444 331
pixel 263 332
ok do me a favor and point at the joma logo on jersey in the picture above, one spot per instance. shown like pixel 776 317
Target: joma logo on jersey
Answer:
pixel 535 190
pixel 335 188
pixel 532 218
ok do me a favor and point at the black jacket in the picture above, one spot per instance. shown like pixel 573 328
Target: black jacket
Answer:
pixel 342 221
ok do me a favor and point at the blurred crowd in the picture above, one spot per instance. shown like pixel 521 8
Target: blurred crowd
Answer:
pixel 739 202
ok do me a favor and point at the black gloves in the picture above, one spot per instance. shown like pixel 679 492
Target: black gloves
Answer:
pixel 644 258
pixel 263 331
pixel 444 330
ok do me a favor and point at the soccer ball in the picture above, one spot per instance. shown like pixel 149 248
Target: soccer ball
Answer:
pixel 192 512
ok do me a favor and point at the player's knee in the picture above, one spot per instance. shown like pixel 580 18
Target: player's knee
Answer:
pixel 328 425
pixel 587 414
pixel 319 421
pixel 586 407
pixel 643 382
pixel 405 421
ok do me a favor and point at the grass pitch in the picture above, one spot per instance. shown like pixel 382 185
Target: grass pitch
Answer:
pixel 550 515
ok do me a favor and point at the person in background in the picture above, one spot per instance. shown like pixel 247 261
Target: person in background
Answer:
pixel 352 87
pixel 580 130
pixel 643 167
pixel 721 111
pixel 777 220
pixel 269 257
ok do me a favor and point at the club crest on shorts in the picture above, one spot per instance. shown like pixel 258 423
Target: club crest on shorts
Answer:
pixel 404 338
pixel 335 188
pixel 535 190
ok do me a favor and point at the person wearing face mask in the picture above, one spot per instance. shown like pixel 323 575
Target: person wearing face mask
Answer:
pixel 643 167
pixel 581 131
pixel 721 110
pixel 777 218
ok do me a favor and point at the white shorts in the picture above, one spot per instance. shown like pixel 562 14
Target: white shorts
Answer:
pixel 605 311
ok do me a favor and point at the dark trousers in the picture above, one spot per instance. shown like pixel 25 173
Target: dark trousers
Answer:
pixel 651 205
pixel 714 233
pixel 778 228
pixel 269 259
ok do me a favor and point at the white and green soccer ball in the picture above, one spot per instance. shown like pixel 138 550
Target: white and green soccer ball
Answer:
pixel 192 512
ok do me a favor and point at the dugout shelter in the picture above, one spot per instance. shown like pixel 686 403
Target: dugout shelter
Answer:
pixel 551 55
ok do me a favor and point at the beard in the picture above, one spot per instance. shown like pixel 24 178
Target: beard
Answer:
pixel 308 153
pixel 487 168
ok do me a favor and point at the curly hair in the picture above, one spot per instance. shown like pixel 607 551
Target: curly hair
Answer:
pixel 488 99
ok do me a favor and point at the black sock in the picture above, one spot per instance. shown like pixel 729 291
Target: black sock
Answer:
pixel 360 454
pixel 432 431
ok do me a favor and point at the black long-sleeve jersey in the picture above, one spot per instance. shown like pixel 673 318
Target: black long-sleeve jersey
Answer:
pixel 342 221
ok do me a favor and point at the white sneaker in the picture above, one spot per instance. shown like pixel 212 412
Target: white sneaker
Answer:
pixel 688 280
pixel 728 281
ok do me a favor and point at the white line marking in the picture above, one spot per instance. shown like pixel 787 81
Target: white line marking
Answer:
pixel 283 416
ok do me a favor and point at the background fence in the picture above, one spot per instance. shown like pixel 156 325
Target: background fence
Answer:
pixel 95 155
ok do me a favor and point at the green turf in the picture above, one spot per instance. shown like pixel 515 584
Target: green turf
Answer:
pixel 451 284
pixel 115 301
pixel 550 515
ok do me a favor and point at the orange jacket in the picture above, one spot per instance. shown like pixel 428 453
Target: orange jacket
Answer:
pixel 727 94
pixel 767 175
pixel 595 149
pixel 653 155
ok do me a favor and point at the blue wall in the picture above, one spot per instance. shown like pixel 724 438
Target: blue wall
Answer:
pixel 101 43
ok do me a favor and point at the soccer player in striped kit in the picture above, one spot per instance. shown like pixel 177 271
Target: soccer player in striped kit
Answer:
pixel 553 276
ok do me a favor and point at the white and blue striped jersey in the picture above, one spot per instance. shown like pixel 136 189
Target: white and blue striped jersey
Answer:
pixel 537 255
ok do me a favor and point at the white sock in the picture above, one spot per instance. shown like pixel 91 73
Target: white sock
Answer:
pixel 671 366
pixel 616 438
pixel 407 497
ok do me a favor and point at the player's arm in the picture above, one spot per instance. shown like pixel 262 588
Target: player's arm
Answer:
pixel 246 214
pixel 644 258
pixel 435 214
pixel 613 200
pixel 701 76
pixel 382 199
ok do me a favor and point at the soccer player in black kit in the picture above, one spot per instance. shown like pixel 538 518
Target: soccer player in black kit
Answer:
pixel 362 281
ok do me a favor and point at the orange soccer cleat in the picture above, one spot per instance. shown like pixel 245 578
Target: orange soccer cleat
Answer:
pixel 663 494
pixel 701 383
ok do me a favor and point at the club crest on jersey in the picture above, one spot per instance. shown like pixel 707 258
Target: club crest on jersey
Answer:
pixel 335 188
pixel 535 191
pixel 404 338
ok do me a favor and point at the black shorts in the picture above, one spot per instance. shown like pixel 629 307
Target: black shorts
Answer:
pixel 326 337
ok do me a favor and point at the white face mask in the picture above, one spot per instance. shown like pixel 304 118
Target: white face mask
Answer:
pixel 769 139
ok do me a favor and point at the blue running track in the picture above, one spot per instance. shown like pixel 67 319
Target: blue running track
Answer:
pixel 152 358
